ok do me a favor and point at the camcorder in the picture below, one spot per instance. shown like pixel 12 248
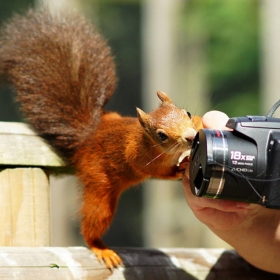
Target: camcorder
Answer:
pixel 242 164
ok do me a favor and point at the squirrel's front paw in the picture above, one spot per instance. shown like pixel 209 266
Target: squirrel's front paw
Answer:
pixel 184 164
pixel 110 257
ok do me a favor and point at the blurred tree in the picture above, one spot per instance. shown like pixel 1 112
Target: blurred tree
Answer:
pixel 9 7
pixel 119 22
pixel 8 110
pixel 230 31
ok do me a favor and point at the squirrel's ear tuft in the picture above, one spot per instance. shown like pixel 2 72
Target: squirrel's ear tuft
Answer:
pixel 142 117
pixel 164 97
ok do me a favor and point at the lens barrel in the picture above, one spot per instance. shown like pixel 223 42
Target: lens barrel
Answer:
pixel 221 164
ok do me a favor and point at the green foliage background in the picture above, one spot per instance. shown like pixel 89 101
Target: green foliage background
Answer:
pixel 231 34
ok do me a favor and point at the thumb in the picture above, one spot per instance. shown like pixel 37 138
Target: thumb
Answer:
pixel 215 120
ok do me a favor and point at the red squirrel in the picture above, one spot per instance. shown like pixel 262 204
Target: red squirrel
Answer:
pixel 63 73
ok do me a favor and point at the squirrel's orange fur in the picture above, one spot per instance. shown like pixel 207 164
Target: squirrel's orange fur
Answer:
pixel 63 73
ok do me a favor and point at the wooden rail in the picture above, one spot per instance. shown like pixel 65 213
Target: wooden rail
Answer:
pixel 25 162
pixel 145 264
pixel 24 197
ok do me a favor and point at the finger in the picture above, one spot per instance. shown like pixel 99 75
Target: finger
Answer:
pixel 187 172
pixel 215 119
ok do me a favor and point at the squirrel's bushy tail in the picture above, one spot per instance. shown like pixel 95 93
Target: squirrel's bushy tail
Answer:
pixel 62 71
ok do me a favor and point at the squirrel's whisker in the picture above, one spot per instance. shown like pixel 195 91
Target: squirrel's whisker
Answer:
pixel 162 153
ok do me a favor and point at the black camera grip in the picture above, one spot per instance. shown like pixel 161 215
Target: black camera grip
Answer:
pixel 271 193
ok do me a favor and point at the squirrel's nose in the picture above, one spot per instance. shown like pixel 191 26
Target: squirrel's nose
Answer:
pixel 188 135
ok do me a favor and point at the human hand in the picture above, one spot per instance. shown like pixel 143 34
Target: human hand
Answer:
pixel 217 214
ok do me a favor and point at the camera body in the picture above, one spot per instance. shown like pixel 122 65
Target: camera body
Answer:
pixel 242 164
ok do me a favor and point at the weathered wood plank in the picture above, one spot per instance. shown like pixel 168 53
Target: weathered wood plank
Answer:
pixel 148 264
pixel 24 207
pixel 50 263
pixel 20 146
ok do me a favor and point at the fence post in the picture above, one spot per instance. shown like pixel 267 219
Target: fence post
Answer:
pixel 24 207
pixel 24 183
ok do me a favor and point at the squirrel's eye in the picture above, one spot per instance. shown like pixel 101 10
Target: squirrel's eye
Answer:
pixel 162 136
pixel 189 114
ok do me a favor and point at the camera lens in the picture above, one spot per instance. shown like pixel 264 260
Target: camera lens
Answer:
pixel 221 163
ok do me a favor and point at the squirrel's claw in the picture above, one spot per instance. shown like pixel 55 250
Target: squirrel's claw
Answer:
pixel 109 257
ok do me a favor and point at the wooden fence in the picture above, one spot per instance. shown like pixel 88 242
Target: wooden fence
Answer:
pixel 25 252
